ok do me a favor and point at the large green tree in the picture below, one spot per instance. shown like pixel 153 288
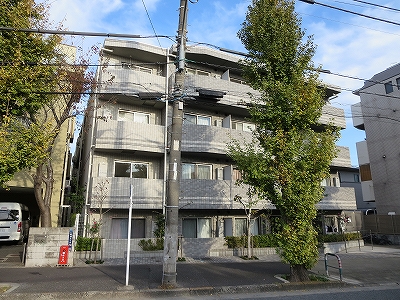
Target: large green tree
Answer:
pixel 291 153
pixel 25 73
pixel 39 91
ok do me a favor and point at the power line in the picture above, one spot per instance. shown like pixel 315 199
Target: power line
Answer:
pixel 377 5
pixel 333 20
pixel 66 32
pixel 351 12
pixel 151 23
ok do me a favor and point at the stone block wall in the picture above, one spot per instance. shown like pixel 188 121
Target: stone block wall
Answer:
pixel 44 244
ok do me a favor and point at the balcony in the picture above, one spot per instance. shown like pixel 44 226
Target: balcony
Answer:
pixel 128 81
pixel 333 115
pixel 123 135
pixel 343 157
pixel 236 92
pixel 338 198
pixel 213 194
pixel 358 119
pixel 147 193
pixel 210 139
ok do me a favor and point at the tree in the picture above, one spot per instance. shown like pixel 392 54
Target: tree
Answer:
pixel 26 75
pixel 290 153
pixel 39 91
pixel 248 210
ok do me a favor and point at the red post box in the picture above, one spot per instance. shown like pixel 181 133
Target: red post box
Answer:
pixel 63 257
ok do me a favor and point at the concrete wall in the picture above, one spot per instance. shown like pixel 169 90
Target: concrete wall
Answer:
pixel 44 244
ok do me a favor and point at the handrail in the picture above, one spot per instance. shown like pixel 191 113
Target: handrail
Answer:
pixel 339 264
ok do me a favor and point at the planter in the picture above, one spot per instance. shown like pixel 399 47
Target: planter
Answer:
pixel 85 255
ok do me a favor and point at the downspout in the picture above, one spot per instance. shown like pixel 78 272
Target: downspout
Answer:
pixel 90 160
pixel 165 133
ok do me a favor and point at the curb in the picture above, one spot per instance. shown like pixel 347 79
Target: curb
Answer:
pixel 129 291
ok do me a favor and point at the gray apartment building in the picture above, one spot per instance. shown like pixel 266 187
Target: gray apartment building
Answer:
pixel 378 114
pixel 124 143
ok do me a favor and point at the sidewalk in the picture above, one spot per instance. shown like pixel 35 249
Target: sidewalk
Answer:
pixel 194 277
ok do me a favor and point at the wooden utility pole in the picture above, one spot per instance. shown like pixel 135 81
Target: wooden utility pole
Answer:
pixel 174 173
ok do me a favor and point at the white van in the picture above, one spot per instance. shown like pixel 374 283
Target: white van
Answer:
pixel 14 221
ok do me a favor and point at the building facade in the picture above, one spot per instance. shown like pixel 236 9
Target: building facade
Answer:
pixel 377 114
pixel 124 146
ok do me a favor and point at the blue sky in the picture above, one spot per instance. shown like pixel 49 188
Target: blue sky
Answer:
pixel 346 44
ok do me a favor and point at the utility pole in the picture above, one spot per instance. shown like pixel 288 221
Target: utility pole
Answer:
pixel 174 173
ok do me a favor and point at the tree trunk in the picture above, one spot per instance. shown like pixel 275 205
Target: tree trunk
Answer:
pixel 249 246
pixel 43 198
pixel 298 273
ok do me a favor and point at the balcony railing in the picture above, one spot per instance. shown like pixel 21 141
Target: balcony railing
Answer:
pixel 235 92
pixel 333 115
pixel 123 135
pixel 338 198
pixel 213 194
pixel 132 80
pixel 210 139
pixel 147 193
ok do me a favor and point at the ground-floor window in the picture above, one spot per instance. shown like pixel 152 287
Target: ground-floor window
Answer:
pixel 196 228
pixel 119 228
pixel 241 226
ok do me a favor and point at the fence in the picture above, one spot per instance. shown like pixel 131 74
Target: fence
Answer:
pixel 381 224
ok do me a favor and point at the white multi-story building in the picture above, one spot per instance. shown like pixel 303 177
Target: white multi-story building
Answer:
pixel 377 114
pixel 125 143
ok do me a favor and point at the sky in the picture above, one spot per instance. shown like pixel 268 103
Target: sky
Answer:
pixel 348 45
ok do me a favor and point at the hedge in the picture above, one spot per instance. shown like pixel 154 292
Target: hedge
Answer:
pixel 84 243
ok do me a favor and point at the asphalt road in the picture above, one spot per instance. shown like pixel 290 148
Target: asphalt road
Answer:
pixel 11 254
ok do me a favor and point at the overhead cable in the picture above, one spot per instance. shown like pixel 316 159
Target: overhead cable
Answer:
pixel 351 12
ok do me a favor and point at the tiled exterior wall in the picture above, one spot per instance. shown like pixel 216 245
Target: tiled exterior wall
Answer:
pixel 381 115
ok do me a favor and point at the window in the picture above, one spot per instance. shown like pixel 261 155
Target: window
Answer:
pixel 132 116
pixel 9 215
pixel 197 120
pixel 119 228
pixel 198 72
pixel 131 169
pixel 126 65
pixel 196 171
pixel 241 226
pixel 389 87
pixel 356 178
pixel 243 126
pixel 365 172
pixel 236 174
pixel 398 83
pixel 196 228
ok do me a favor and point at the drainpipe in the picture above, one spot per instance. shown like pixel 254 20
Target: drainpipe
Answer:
pixel 165 134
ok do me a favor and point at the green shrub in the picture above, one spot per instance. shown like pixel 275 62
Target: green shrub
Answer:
pixel 259 241
pixel 152 245
pixel 331 238
pixel 84 243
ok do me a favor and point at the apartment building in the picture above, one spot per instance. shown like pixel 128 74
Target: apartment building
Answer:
pixel 377 114
pixel 125 142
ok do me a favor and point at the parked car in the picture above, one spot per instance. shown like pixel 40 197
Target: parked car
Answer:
pixel 14 221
